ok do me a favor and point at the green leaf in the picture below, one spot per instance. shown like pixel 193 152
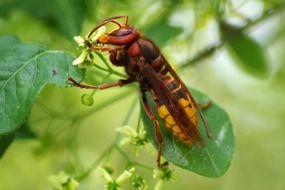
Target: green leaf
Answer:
pixel 66 15
pixel 214 159
pixel 250 56
pixel 5 142
pixel 24 71
pixel 24 132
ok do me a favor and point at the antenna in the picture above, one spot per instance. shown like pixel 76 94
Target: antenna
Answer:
pixel 112 19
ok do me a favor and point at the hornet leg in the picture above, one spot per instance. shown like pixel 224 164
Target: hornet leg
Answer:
pixel 102 86
pixel 156 126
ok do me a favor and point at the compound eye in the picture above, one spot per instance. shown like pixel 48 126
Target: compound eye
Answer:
pixel 121 32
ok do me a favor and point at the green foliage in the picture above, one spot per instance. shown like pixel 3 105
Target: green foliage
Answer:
pixel 56 123
pixel 66 15
pixel 22 133
pixel 25 69
pixel 5 141
pixel 249 55
pixel 63 182
pixel 212 160
pixel 154 30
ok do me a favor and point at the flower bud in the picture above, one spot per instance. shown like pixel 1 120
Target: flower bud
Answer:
pixel 87 100
pixel 125 175
pixel 63 182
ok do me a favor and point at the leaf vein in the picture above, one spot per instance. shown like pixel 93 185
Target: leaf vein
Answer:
pixel 23 66
pixel 212 161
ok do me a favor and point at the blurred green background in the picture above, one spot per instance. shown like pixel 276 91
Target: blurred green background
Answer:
pixel 66 135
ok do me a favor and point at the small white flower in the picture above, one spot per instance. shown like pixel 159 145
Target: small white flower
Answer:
pixel 163 175
pixel 106 174
pixel 137 138
pixel 133 136
pixel 158 185
pixel 63 182
pixel 79 40
pixel 115 184
pixel 82 57
pixel 127 130
pixel 138 182
pixel 94 37
pixel 125 175
pixel 86 53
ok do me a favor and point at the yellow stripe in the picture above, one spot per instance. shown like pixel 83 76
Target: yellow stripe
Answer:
pixel 169 119
pixel 189 111
pixel 176 129
pixel 171 123
pixel 183 102
pixel 181 136
pixel 162 111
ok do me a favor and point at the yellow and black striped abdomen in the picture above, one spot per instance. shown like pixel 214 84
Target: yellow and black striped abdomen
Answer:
pixel 177 111
pixel 171 123
pixel 189 110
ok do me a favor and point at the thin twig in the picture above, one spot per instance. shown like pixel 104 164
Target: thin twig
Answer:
pixel 208 51
pixel 108 151
pixel 104 104
pixel 109 68
pixel 131 162
pixel 124 155
pixel 142 165
pixel 95 163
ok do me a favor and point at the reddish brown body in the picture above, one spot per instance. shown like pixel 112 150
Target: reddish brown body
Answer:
pixel 145 64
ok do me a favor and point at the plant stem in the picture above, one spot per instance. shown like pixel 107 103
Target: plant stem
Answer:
pixel 208 51
pixel 125 156
pixel 110 149
pixel 102 81
pixel 80 116
pixel 105 104
pixel 142 165
pixel 139 121
pixel 131 162
pixel 109 68
pixel 96 163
